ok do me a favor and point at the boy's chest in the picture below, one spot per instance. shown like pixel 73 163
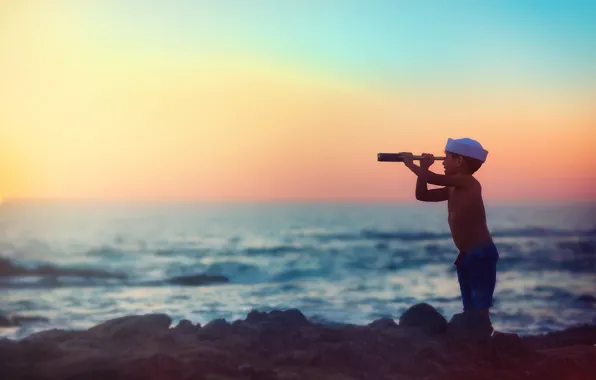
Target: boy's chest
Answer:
pixel 457 200
pixel 453 199
pixel 462 202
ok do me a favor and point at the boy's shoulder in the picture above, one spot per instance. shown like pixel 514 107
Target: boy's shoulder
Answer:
pixel 468 182
pixel 468 178
pixel 474 179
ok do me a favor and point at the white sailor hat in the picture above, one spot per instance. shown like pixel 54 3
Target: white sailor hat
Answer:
pixel 466 147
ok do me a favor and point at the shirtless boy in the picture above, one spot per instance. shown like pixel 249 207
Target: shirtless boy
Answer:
pixel 478 256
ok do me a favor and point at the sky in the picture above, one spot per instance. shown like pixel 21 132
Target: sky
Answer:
pixel 270 100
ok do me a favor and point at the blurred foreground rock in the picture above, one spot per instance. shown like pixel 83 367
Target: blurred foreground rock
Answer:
pixel 285 345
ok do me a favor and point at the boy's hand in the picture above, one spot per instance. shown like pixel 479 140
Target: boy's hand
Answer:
pixel 408 158
pixel 427 160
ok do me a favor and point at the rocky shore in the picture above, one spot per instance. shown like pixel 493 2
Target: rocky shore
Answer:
pixel 285 345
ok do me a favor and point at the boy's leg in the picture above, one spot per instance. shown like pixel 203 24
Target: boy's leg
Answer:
pixel 463 277
pixel 483 279
pixel 483 276
pixel 479 268
pixel 461 320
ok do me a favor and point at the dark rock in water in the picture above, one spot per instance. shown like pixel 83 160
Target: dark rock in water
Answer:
pixel 19 320
pixel 7 268
pixel 424 317
pixel 586 298
pixel 284 345
pixel 198 279
pixel 5 321
pixel 382 246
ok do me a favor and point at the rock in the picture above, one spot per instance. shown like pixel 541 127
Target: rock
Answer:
pixel 282 345
pixel 383 323
pixel 510 343
pixel 256 374
pixel 53 335
pixel 587 298
pixel 573 362
pixel 310 333
pixel 215 329
pixel 288 318
pixel 125 327
pixel 424 317
pixel 471 325
pixel 186 327
pixel 579 335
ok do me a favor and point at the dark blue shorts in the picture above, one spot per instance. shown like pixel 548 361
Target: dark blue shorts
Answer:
pixel 477 276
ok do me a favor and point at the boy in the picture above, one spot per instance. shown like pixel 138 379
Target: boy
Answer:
pixel 478 256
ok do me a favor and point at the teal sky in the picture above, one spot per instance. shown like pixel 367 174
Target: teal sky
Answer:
pixel 553 41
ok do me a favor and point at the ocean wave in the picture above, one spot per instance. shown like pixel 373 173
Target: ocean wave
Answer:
pixel 579 246
pixel 106 251
pixel 18 274
pixel 273 250
pixel 238 272
pixel 537 232
pixel 198 280
pixel 415 236
pixel 183 251
pixel 524 249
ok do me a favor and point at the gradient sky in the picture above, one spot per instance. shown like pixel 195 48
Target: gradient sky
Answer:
pixel 119 99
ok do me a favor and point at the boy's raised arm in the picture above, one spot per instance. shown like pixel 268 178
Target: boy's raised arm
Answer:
pixel 456 180
pixel 434 195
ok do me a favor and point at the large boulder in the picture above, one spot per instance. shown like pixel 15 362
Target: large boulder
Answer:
pixel 470 325
pixel 424 317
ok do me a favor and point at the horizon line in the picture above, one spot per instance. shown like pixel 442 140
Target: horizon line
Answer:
pixel 166 200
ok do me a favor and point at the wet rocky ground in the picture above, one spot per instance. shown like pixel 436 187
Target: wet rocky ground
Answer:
pixel 280 345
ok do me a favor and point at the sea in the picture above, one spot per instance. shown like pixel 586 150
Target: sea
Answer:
pixel 71 265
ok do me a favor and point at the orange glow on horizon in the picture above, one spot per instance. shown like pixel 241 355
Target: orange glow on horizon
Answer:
pixel 83 121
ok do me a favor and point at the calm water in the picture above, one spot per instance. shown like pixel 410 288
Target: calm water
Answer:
pixel 78 264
